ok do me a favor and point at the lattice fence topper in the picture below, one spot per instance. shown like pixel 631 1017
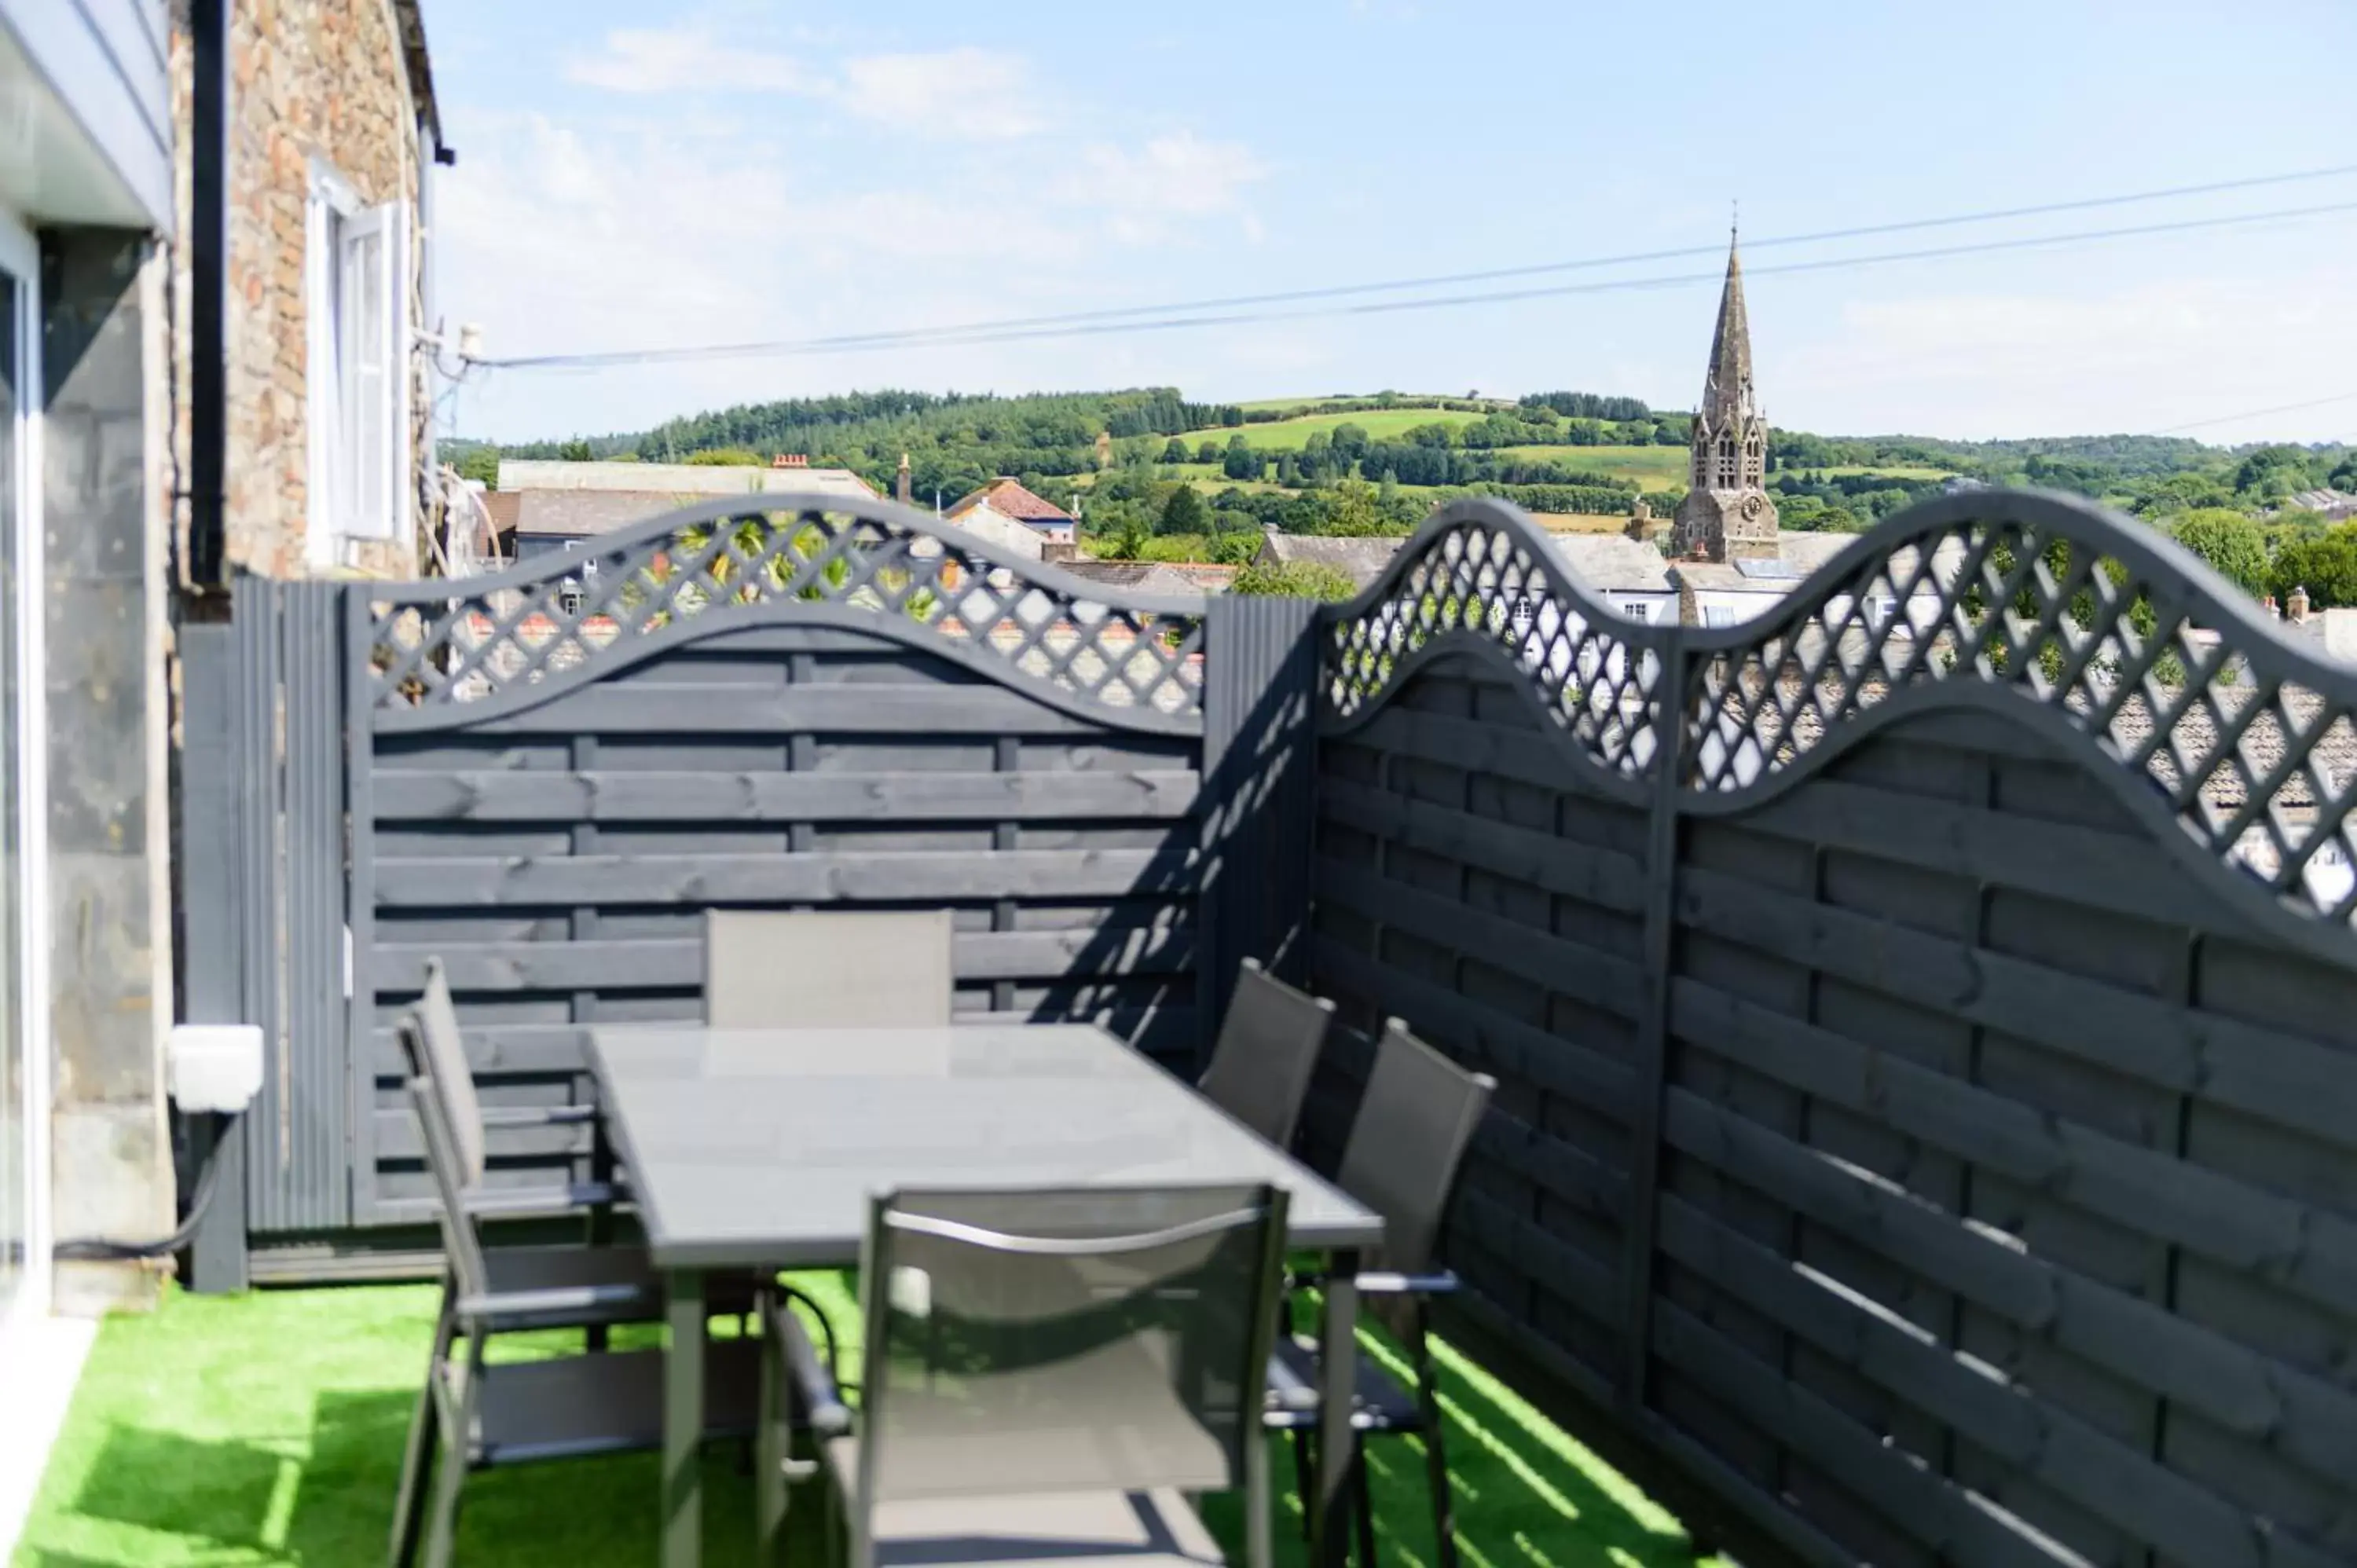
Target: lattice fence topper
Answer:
pixel 496 635
pixel 1483 568
pixel 2247 737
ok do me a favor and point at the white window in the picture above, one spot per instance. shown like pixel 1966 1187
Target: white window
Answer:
pixel 1637 611
pixel 356 297
pixel 1717 614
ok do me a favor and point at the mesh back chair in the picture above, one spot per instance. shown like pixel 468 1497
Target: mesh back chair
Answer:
pixel 1267 1049
pixel 1045 1374
pixel 1406 1150
pixel 826 969
pixel 473 1416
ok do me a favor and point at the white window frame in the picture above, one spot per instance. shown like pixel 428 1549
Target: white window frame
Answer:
pixel 21 256
pixel 1638 610
pixel 1718 614
pixel 358 474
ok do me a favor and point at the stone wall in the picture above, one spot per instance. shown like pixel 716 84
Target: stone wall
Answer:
pixel 309 80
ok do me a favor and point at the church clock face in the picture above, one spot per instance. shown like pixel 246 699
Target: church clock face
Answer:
pixel 1751 505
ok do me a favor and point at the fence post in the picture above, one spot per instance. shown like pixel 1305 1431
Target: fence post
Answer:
pixel 1661 863
pixel 1260 680
pixel 212 990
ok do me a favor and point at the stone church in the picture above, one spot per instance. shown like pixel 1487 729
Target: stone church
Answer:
pixel 1728 514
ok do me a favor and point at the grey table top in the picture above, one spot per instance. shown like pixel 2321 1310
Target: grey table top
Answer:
pixel 762 1147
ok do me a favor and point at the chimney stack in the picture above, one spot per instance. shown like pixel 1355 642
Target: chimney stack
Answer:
pixel 903 486
pixel 2296 603
pixel 790 460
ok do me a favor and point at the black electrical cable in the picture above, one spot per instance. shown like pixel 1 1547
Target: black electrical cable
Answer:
pixel 99 1250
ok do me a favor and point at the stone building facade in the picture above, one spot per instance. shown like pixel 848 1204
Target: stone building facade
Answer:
pixel 332 101
pixel 1728 514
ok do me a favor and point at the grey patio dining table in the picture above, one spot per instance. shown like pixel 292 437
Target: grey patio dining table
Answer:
pixel 761 1148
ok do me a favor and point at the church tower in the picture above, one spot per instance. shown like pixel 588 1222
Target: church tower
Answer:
pixel 1726 514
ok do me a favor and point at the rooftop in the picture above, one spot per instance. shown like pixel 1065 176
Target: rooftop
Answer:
pixel 1008 499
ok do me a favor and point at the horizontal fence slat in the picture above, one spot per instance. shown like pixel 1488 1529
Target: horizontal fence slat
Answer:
pixel 813 877
pixel 2080 1463
pixel 2117 872
pixel 2244 1227
pixel 621 709
pixel 1529 756
pixel 1926 1507
pixel 1587 1284
pixel 2235 1386
pixel 1538 956
pixel 518 795
pixel 1562 866
pixel 1506 1047
pixel 399 969
pixel 2280 1077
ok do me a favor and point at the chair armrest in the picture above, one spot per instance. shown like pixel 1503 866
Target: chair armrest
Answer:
pixel 495 1201
pixel 538 1115
pixel 813 1384
pixel 1377 1282
pixel 556 1302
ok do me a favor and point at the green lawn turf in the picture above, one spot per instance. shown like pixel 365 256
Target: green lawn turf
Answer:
pixel 268 1428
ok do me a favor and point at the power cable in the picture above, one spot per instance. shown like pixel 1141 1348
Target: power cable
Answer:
pixel 1017 331
pixel 2255 414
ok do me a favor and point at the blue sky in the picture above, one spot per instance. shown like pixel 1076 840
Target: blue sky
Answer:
pixel 653 173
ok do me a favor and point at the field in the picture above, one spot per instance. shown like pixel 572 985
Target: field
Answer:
pixel 1291 435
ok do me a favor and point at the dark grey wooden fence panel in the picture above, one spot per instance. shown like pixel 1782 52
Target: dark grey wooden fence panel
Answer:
pixel 559 858
pixel 1500 908
pixel 288 744
pixel 1992 1194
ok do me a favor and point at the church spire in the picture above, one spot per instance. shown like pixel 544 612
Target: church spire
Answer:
pixel 1728 389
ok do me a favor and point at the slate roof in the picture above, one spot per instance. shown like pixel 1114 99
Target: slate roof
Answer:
pixel 1174 577
pixel 1363 559
pixel 1615 563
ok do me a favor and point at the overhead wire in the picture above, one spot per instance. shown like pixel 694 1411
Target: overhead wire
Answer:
pixel 1231 309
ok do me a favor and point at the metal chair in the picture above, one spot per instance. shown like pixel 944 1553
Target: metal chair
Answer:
pixel 473 1417
pixel 1045 1374
pixel 591 1285
pixel 1406 1151
pixel 1266 1052
pixel 826 969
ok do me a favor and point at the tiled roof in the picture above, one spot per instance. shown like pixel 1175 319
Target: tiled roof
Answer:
pixel 1182 578
pixel 584 515
pixel 1010 498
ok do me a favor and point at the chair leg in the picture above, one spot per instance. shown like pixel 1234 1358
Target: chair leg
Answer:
pixel 442 1536
pixel 770 1464
pixel 1436 1461
pixel 425 1436
pixel 1304 1472
pixel 1364 1505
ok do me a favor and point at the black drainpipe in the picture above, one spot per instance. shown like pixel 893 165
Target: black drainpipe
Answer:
pixel 209 296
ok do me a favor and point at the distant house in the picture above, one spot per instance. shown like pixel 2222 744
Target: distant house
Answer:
pixel 1628 575
pixel 1167 577
pixel 556 505
pixel 1005 513
pixel 2333 506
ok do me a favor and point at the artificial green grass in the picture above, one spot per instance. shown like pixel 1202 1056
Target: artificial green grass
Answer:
pixel 268 1428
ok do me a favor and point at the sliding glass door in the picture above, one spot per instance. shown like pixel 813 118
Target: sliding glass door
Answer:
pixel 22 1053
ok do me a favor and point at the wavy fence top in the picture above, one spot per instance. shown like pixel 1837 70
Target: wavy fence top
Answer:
pixel 547 624
pixel 2107 628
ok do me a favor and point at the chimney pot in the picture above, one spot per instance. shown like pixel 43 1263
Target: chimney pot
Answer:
pixel 2296 602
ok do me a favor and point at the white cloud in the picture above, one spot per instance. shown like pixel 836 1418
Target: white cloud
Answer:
pixel 684 59
pixel 967 94
pixel 2141 358
pixel 1171 177
pixel 984 94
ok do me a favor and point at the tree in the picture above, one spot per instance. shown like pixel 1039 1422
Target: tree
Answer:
pixel 725 457
pixel 1295 580
pixel 576 451
pixel 1350 442
pixel 2272 473
pixel 2324 564
pixel 1175 452
pixel 2234 546
pixel 1209 452
pixel 1185 512
pixel 1241 461
pixel 480 463
pixel 1355 512
pixel 1236 547
pixel 1288 473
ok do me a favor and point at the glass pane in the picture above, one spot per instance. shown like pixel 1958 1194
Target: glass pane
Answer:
pixel 16 1109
